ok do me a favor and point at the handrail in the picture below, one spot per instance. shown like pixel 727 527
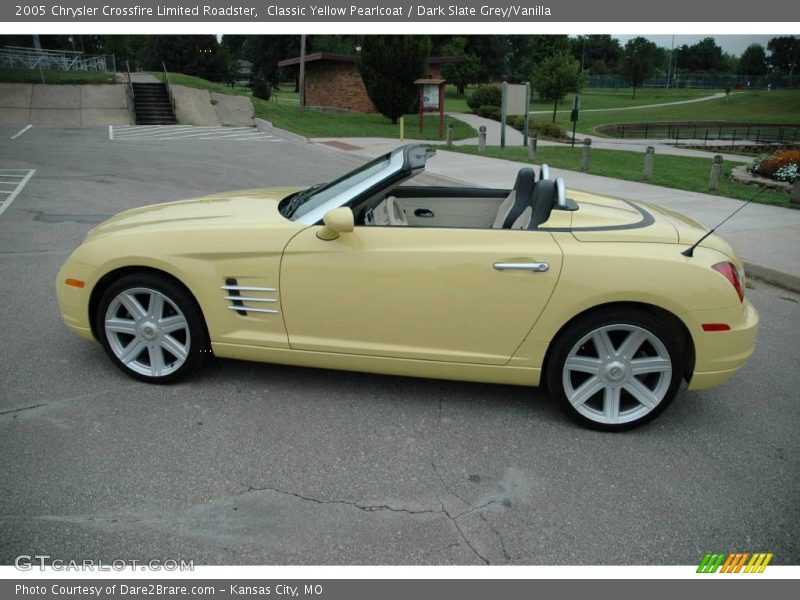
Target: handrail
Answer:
pixel 130 81
pixel 169 88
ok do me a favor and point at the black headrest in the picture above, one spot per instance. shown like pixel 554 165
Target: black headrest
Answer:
pixel 523 188
pixel 544 199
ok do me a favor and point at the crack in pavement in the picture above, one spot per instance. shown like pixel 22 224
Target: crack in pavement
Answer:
pixel 506 555
pixel 385 507
pixel 446 487
pixel 57 401
pixel 16 410
pixel 364 507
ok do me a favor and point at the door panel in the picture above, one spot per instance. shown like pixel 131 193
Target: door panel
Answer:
pixel 452 211
pixel 416 292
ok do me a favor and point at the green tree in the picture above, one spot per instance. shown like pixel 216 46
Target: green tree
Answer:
pixel 703 57
pixel 265 51
pixel 530 51
pixel 198 55
pixel 639 61
pixel 753 62
pixel 389 64
pixel 784 54
pixel 600 53
pixel 556 76
pixel 464 73
pixel 493 51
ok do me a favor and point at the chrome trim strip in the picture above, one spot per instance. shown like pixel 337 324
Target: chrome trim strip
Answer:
pixel 247 309
pixel 247 288
pixel 249 299
pixel 534 266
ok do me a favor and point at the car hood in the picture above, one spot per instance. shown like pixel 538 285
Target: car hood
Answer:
pixel 229 208
pixel 602 218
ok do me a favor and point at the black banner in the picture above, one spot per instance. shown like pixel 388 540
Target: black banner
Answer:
pixel 370 11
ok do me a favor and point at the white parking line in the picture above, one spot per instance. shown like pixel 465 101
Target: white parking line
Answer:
pixel 17 177
pixel 19 133
pixel 189 132
pixel 111 132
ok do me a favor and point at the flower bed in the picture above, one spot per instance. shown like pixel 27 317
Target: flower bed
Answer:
pixel 780 166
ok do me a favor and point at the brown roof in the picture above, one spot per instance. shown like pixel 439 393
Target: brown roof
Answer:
pixel 332 56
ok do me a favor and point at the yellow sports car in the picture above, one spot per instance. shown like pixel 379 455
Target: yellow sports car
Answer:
pixel 608 303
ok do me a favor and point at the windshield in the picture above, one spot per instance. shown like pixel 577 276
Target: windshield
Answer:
pixel 308 200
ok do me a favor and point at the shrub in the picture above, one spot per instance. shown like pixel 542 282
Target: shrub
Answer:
pixel 261 89
pixel 485 95
pixel 780 166
pixel 516 121
pixel 489 112
pixel 549 130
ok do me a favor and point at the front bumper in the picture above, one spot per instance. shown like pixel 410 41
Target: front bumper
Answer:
pixel 73 303
pixel 719 354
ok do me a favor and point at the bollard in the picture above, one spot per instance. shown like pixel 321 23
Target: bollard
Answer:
pixel 716 171
pixel 795 195
pixel 402 129
pixel 649 156
pixel 450 134
pixel 586 154
pixel 482 139
pixel 533 143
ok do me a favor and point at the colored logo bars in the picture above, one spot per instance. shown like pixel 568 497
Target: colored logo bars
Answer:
pixel 735 562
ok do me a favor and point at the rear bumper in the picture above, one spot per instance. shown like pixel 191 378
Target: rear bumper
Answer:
pixel 719 354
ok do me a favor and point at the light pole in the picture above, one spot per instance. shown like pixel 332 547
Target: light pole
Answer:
pixel 302 73
pixel 669 68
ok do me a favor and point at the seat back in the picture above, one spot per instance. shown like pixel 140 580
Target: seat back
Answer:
pixel 544 199
pixel 517 201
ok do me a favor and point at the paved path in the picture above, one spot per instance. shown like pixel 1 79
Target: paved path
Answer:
pixel 514 138
pixel 659 105
pixel 765 236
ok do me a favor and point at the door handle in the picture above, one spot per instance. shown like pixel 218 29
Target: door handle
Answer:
pixel 423 212
pixel 536 267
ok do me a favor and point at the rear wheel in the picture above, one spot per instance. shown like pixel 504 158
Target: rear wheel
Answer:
pixel 151 328
pixel 615 369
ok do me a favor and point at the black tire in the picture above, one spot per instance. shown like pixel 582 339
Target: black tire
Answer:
pixel 192 337
pixel 615 371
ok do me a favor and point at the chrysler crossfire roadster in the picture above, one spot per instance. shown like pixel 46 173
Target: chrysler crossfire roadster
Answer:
pixel 609 304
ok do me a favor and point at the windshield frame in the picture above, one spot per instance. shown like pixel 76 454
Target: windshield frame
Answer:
pixel 403 161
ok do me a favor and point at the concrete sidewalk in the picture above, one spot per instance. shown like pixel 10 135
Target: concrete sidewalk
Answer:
pixel 766 237
pixel 662 146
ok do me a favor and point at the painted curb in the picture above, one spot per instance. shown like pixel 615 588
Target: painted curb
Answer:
pixel 264 125
pixel 772 276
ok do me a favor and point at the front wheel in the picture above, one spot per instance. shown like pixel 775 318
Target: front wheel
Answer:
pixel 151 328
pixel 615 369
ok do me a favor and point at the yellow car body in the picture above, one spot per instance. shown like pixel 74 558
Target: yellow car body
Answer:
pixel 418 301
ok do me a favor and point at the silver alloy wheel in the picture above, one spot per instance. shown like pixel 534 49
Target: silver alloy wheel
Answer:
pixel 147 332
pixel 617 374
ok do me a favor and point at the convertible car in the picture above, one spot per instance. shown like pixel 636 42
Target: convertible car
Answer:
pixel 610 304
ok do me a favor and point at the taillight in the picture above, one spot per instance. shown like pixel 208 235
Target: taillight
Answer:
pixel 728 271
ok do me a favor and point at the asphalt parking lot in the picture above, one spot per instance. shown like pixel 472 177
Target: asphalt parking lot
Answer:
pixel 261 464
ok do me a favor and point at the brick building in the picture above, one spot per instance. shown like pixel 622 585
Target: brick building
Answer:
pixel 333 80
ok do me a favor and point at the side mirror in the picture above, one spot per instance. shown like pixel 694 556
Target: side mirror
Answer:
pixel 338 220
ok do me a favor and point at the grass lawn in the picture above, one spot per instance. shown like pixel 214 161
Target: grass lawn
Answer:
pixel 779 107
pixel 283 112
pixel 202 84
pixel 56 77
pixel 679 172
pixel 347 124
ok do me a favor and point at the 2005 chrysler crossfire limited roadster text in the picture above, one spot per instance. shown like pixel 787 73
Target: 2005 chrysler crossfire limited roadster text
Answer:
pixel 608 303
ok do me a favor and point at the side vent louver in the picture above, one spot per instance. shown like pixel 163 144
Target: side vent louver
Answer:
pixel 242 296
